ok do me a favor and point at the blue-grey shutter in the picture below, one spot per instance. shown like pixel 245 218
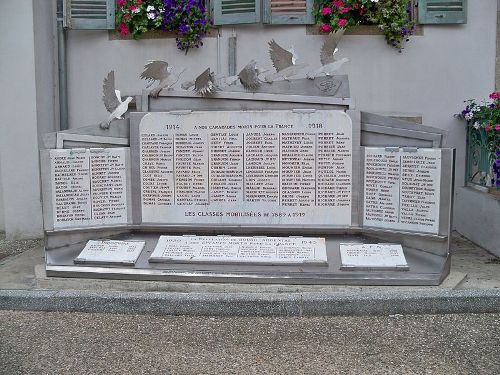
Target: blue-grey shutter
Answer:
pixel 442 11
pixel 230 12
pixel 89 14
pixel 281 12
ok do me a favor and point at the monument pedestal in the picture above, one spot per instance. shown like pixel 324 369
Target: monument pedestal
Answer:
pixel 423 268
pixel 314 172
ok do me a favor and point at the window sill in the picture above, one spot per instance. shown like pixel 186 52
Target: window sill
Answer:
pixel 154 34
pixel 362 30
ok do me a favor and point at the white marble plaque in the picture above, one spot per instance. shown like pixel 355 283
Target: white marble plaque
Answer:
pixel 232 249
pixel 111 252
pixel 372 256
pixel 89 186
pixel 246 168
pixel 402 189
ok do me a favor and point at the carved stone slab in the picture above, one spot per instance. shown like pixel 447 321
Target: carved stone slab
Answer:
pixel 111 252
pixel 382 257
pixel 246 168
pixel 232 249
pixel 402 188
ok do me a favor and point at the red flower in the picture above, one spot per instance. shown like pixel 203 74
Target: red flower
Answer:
pixel 487 127
pixel 337 3
pixel 138 2
pixel 123 29
pixel 344 10
pixel 495 95
pixel 341 22
pixel 132 7
pixel 326 11
pixel 497 127
pixel 126 16
pixel 325 28
pixel 120 2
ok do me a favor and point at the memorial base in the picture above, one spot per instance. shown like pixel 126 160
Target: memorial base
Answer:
pixel 423 268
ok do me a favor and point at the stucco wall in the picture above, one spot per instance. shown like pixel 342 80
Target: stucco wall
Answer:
pixel 431 78
pixel 21 106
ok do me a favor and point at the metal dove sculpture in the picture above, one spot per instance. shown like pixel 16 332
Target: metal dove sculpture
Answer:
pixel 112 100
pixel 204 84
pixel 249 76
pixel 327 56
pixel 284 61
pixel 157 70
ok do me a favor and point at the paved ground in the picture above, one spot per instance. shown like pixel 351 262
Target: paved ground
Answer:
pixel 76 343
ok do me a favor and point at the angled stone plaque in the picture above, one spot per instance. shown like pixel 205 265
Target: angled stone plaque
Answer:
pixel 366 257
pixel 402 189
pixel 244 250
pixel 89 186
pixel 111 252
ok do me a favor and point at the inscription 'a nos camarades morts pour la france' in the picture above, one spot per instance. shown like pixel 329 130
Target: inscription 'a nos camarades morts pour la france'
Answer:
pixel 248 168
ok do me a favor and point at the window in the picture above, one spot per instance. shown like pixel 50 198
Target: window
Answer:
pixel 276 12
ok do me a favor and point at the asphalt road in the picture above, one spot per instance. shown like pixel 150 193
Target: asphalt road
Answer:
pixel 79 343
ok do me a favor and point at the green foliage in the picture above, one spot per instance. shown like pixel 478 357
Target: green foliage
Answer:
pixel 393 17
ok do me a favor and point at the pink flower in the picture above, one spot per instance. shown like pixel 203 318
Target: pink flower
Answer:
pixel 497 127
pixel 326 11
pixel 120 2
pixel 325 28
pixel 126 16
pixel 487 127
pixel 123 29
pixel 138 2
pixel 341 22
pixel 495 95
pixel 344 9
pixel 132 7
pixel 337 3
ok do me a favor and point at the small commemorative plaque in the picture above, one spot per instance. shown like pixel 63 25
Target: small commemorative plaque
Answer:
pixel 240 250
pixel 378 257
pixel 110 252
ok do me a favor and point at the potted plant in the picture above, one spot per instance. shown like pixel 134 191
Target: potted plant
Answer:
pixel 393 17
pixel 483 139
pixel 186 18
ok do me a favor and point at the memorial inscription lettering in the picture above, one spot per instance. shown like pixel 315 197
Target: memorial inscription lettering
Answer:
pixel 89 186
pixel 372 256
pixel 111 251
pixel 402 189
pixel 233 249
pixel 246 168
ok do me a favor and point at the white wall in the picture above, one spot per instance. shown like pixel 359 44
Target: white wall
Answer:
pixel 18 123
pixel 432 77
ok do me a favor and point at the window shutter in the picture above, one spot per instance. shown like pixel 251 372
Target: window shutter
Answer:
pixel 89 14
pixel 279 12
pixel 229 12
pixel 442 12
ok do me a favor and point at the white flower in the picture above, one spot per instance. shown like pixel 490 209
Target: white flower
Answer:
pixel 150 8
pixel 374 1
pixel 136 10
pixel 476 125
pixel 468 116
pixel 476 109
pixel 151 16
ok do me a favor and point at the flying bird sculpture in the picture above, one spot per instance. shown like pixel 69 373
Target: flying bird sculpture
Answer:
pixel 329 64
pixel 204 84
pixel 284 61
pixel 112 100
pixel 249 76
pixel 157 70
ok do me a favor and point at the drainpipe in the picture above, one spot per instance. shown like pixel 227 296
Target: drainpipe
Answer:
pixel 61 63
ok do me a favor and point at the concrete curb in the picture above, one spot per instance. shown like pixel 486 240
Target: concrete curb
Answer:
pixel 255 304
